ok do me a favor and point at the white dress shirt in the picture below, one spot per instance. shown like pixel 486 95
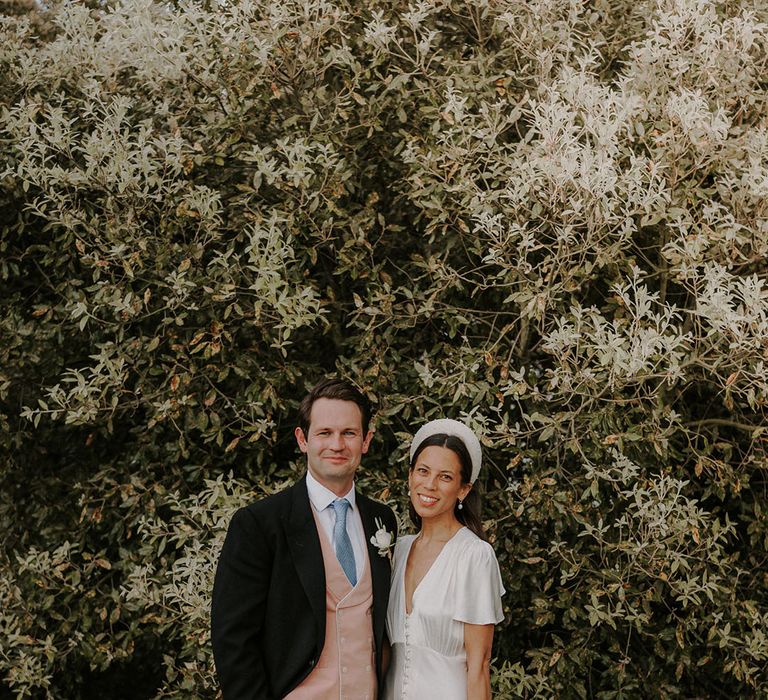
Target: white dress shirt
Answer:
pixel 321 499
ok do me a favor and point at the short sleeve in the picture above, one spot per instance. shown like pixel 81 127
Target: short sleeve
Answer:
pixel 479 588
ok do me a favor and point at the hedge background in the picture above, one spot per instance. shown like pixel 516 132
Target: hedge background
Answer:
pixel 546 218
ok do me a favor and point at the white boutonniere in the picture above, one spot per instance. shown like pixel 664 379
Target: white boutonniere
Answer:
pixel 383 540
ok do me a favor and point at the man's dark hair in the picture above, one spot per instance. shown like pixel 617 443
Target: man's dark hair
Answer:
pixel 334 389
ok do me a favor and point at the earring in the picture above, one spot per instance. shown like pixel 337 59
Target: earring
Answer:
pixel 461 505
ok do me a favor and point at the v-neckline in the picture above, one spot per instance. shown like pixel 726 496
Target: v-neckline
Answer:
pixel 426 573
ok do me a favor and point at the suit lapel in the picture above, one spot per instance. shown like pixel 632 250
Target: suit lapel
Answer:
pixel 380 569
pixel 304 543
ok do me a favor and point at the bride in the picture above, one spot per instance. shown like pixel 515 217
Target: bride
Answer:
pixel 446 586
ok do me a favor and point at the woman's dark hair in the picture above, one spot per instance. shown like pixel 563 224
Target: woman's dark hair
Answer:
pixel 469 514
pixel 334 389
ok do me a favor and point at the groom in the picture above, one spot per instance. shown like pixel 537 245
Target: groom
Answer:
pixel 300 596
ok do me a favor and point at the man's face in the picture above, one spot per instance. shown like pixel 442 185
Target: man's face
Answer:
pixel 335 443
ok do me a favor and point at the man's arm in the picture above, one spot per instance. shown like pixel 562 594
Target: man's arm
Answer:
pixel 238 608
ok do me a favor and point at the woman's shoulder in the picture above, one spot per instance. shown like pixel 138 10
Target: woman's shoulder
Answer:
pixel 404 540
pixel 402 546
pixel 470 544
pixel 478 568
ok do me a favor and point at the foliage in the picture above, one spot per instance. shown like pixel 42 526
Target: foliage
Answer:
pixel 545 218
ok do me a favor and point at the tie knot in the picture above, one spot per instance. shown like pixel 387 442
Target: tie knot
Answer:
pixel 340 505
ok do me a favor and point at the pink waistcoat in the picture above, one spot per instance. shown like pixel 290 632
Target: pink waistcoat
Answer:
pixel 346 669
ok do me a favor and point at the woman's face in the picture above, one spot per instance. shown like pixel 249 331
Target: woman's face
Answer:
pixel 435 482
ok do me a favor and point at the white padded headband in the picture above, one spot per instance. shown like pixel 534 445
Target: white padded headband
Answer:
pixel 448 426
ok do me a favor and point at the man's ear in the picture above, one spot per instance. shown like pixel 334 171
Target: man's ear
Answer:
pixel 367 440
pixel 300 439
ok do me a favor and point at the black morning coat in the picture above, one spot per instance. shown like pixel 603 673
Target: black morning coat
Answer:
pixel 268 607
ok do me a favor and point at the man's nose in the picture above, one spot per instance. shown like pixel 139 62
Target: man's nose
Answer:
pixel 337 442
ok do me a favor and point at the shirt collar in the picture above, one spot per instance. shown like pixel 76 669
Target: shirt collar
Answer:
pixel 320 497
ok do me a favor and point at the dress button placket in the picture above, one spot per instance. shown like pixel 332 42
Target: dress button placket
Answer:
pixel 407 660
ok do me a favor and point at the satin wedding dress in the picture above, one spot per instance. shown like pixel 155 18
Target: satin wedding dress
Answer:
pixel 462 585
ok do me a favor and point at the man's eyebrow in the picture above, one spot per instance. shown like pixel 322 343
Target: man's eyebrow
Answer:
pixel 326 427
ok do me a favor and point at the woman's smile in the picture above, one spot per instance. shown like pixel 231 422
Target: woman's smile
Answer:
pixel 427 500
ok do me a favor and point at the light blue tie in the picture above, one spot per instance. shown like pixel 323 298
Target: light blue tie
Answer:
pixel 341 542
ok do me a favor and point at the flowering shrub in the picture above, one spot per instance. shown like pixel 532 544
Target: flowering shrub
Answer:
pixel 547 219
